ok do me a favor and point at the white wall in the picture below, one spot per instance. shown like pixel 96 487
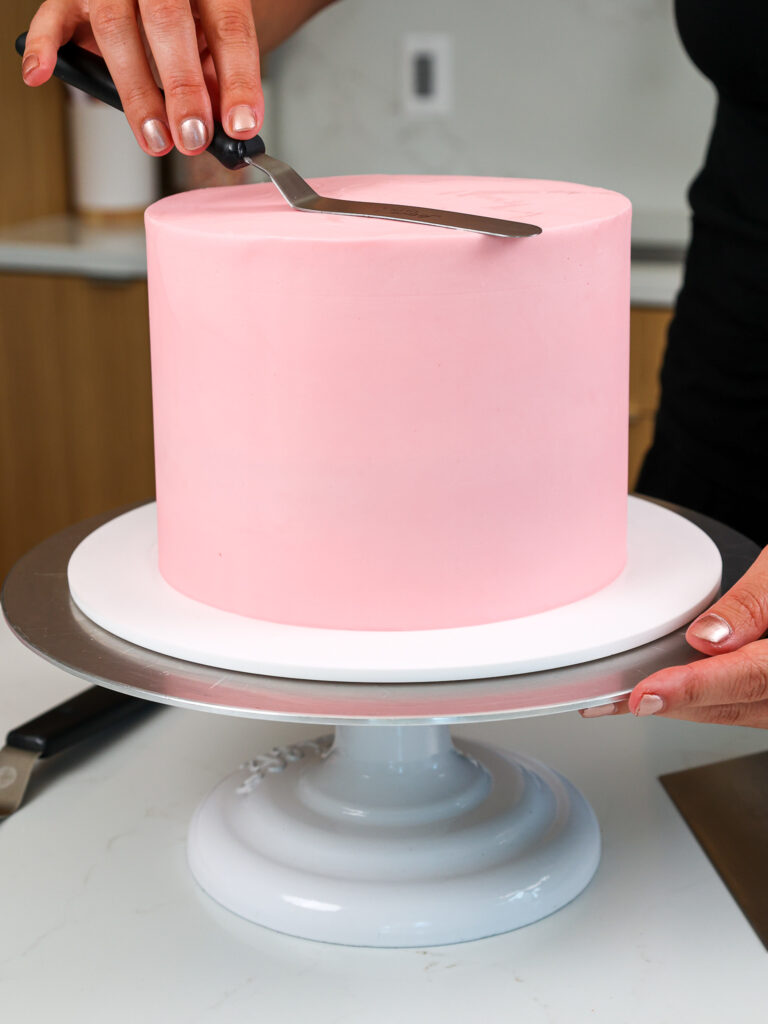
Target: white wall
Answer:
pixel 596 91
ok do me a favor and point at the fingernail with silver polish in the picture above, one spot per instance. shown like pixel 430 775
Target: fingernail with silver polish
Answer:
pixel 155 135
pixel 712 628
pixel 599 712
pixel 29 64
pixel 650 704
pixel 241 118
pixel 193 133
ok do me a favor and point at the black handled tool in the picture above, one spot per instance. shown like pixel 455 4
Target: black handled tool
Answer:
pixel 56 730
pixel 86 71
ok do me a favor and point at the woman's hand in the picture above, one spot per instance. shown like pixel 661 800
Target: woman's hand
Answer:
pixel 730 687
pixel 205 54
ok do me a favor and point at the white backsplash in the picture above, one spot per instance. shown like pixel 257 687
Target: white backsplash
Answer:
pixel 595 91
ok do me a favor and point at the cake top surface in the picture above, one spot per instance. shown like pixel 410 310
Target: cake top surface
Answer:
pixel 259 211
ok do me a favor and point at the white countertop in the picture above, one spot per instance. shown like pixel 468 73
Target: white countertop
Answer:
pixel 66 245
pixel 101 920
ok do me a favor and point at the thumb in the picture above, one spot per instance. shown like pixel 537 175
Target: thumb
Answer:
pixel 739 617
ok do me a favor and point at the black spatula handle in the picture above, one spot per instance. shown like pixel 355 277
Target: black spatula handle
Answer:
pixel 85 71
pixel 77 719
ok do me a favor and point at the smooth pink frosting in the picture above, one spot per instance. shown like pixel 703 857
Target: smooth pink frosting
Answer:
pixel 362 424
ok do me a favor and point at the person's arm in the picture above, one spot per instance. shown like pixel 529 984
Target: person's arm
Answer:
pixel 206 53
pixel 276 20
pixel 731 686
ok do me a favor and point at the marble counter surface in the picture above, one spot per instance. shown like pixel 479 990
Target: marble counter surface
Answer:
pixel 101 920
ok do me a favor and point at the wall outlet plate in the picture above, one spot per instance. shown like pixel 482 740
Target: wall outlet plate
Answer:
pixel 427 80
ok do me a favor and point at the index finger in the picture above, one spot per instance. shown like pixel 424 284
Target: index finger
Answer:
pixel 53 25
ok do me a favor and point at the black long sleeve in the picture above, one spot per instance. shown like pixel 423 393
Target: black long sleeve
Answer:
pixel 710 451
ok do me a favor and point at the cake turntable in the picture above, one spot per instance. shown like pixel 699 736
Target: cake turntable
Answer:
pixel 386 834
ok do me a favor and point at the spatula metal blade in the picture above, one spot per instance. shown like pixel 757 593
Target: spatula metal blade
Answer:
pixel 424 215
pixel 302 196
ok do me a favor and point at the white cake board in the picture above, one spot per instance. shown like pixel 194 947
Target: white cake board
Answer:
pixel 673 571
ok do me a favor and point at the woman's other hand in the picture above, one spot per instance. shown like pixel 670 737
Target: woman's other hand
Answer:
pixel 730 686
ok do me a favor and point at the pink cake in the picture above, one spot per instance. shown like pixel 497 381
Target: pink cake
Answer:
pixel 362 424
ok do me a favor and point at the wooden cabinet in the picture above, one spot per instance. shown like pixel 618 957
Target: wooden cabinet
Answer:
pixel 648 334
pixel 75 404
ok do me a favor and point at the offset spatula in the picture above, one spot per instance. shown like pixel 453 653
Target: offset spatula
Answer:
pixel 56 730
pixel 86 71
